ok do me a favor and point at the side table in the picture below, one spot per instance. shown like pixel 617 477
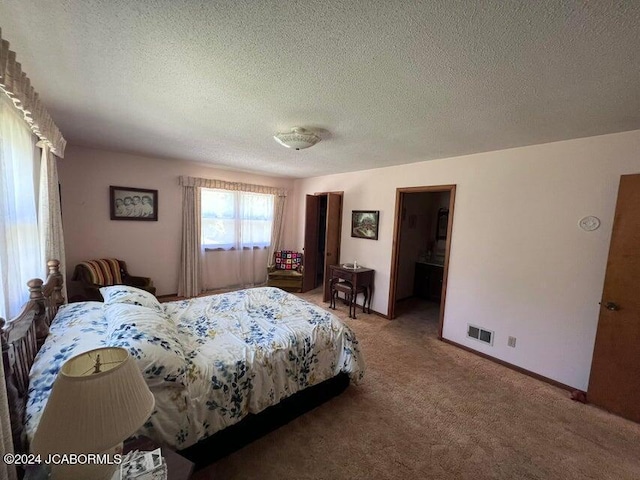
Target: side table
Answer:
pixel 360 280
pixel 178 467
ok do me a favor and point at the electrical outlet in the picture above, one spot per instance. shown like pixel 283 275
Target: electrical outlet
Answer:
pixel 512 342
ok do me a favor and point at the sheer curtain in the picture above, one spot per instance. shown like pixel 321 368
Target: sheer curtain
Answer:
pixel 49 213
pixel 277 234
pixel 236 234
pixel 20 258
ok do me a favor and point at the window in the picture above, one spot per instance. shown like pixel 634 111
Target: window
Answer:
pixel 236 220
pixel 19 237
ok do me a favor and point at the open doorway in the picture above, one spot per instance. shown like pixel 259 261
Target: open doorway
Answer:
pixel 420 259
pixel 323 222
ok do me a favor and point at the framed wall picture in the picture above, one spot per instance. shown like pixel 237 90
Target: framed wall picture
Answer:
pixel 443 223
pixel 364 224
pixel 129 203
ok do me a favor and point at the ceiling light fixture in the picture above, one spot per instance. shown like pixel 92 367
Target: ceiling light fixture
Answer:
pixel 298 138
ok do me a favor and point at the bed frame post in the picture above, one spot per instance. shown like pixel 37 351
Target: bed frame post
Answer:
pixel 36 296
pixel 15 399
pixel 50 298
pixel 54 273
pixel 21 338
pixel 16 404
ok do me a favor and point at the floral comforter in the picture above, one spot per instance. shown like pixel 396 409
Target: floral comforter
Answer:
pixel 228 355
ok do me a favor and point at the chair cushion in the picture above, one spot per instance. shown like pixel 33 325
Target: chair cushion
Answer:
pixel 347 287
pixel 288 260
pixel 104 272
pixel 285 274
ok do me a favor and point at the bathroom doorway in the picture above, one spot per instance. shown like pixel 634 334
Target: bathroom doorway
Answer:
pixel 421 246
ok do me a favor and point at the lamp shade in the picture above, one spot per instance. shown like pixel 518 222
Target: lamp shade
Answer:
pixel 298 138
pixel 89 412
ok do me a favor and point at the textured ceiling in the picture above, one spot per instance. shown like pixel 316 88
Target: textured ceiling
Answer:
pixel 384 82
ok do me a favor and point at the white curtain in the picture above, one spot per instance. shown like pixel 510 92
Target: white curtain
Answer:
pixel 236 234
pixel 50 213
pixel 277 234
pixel 20 258
pixel 234 268
pixel 189 280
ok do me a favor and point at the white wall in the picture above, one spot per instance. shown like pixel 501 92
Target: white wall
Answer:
pixel 519 264
pixel 150 248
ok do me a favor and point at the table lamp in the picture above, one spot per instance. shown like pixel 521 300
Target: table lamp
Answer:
pixel 98 400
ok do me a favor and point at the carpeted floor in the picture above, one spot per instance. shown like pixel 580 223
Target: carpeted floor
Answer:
pixel 428 410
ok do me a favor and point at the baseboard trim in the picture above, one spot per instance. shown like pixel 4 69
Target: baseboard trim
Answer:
pixel 529 373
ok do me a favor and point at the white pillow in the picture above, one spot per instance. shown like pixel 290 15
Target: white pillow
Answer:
pixel 130 296
pixel 152 340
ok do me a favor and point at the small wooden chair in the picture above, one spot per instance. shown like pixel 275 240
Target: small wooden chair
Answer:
pixel 350 295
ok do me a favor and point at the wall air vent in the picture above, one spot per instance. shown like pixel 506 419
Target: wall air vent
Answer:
pixel 480 334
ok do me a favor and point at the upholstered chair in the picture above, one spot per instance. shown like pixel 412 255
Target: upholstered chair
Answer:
pixel 93 274
pixel 287 271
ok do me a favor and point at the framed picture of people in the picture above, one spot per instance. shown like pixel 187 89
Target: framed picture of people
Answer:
pixel 128 203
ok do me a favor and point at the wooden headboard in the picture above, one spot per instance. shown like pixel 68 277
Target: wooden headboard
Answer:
pixel 21 339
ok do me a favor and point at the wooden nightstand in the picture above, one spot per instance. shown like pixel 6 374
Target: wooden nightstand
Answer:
pixel 178 467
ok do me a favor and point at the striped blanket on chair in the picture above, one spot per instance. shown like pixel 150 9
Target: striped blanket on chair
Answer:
pixel 104 272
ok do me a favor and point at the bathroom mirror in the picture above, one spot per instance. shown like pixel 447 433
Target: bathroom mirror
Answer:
pixel 443 223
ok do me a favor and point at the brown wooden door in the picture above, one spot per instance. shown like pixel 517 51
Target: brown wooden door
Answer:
pixel 311 232
pixel 332 240
pixel 614 383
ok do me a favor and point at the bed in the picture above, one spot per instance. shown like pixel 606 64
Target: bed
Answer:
pixel 211 362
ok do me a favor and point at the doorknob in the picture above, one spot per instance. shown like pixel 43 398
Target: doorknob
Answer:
pixel 611 306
